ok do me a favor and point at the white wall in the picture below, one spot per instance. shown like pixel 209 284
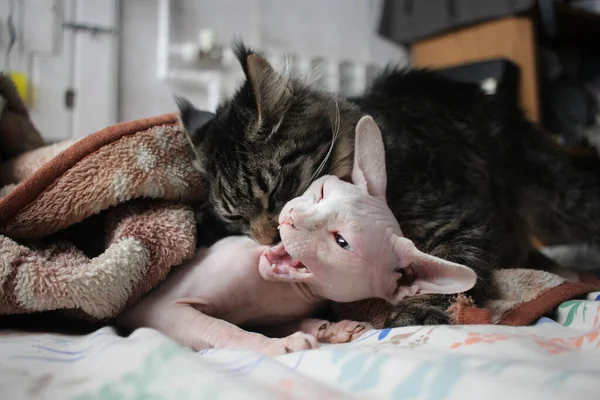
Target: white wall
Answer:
pixel 336 29
pixel 56 60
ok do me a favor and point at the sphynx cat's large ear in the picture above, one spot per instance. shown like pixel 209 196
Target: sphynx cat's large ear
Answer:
pixel 369 158
pixel 431 274
pixel 192 119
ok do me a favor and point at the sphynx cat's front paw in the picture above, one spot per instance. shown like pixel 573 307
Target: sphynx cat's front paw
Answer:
pixel 324 331
pixel 296 342
pixel 341 332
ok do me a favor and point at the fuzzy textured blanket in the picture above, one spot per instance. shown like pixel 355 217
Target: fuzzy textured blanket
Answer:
pixel 90 226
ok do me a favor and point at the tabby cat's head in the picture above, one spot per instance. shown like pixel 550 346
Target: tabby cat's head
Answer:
pixel 267 144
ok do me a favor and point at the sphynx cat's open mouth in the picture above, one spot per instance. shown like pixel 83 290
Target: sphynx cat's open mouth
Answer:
pixel 281 261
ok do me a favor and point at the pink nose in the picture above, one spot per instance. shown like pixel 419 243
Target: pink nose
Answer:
pixel 292 216
pixel 296 208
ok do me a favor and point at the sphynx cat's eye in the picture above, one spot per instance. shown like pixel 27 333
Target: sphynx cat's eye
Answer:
pixel 342 242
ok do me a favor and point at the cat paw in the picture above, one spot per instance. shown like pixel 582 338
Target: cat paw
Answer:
pixel 421 310
pixel 342 332
pixel 296 342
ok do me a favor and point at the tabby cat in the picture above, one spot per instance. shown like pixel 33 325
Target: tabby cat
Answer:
pixel 468 178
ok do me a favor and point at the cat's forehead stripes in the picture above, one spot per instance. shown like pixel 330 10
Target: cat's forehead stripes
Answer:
pixel 226 202
pixel 263 183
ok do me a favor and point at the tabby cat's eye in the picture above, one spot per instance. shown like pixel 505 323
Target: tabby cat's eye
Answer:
pixel 234 218
pixel 342 242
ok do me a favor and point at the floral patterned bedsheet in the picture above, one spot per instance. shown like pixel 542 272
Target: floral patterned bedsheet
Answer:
pixel 554 359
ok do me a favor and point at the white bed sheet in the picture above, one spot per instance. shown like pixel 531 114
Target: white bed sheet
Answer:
pixel 550 360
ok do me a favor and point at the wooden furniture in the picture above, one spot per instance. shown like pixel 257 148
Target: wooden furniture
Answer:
pixel 514 38
pixel 511 38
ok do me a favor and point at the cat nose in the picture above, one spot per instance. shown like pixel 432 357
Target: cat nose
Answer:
pixel 301 203
pixel 264 231
pixel 298 218
pixel 267 238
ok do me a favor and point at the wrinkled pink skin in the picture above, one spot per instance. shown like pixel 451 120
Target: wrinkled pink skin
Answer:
pixel 308 225
pixel 237 281
pixel 204 300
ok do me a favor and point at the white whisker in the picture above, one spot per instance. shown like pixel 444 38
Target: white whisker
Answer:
pixel 277 125
pixel 335 130
pixel 315 74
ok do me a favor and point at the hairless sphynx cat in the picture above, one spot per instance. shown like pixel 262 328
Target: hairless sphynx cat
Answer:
pixel 340 242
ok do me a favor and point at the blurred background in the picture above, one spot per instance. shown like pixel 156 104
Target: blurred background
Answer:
pixel 82 65
pixel 92 63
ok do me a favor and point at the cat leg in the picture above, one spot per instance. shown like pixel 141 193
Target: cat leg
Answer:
pixel 325 331
pixel 198 331
pixel 336 332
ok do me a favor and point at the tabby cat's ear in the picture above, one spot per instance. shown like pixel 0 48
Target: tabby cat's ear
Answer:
pixel 192 119
pixel 272 92
pixel 369 158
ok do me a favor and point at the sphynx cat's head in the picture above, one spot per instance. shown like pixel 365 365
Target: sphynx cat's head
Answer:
pixel 343 240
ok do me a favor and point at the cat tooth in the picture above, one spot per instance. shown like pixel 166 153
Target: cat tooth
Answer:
pixel 273 266
pixel 278 227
